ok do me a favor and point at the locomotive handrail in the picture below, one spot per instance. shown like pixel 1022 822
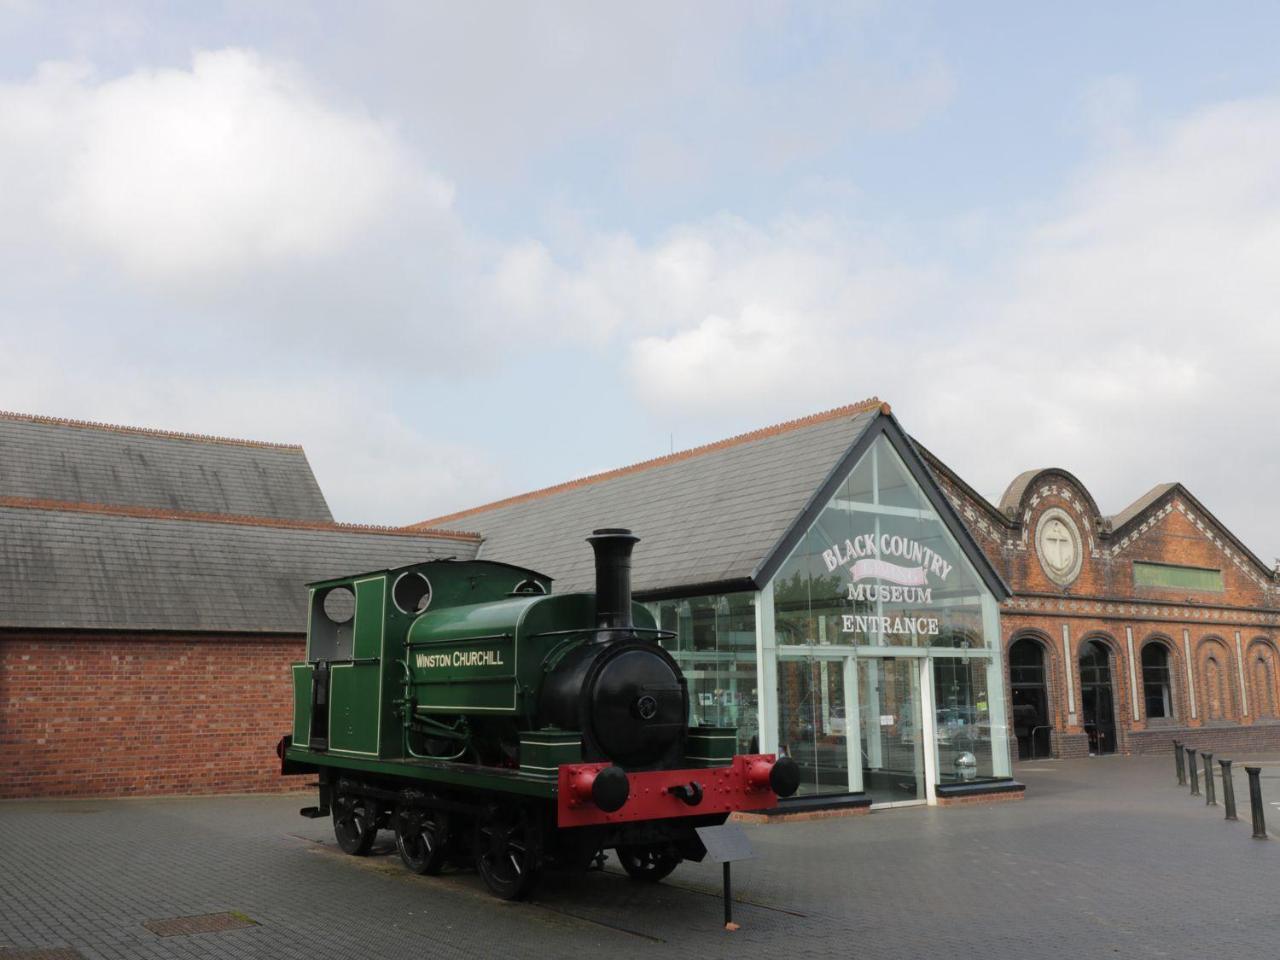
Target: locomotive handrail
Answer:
pixel 352 660
pixel 662 634
pixel 429 643
pixel 446 681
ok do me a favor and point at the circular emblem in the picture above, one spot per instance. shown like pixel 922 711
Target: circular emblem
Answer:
pixel 647 707
pixel 1058 546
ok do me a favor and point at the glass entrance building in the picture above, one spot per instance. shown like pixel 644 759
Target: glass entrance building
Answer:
pixel 822 598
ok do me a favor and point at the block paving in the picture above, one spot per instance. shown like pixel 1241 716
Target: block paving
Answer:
pixel 1104 857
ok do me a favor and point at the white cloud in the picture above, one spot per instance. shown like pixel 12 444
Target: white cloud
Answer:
pixel 1132 336
pixel 373 464
pixel 223 168
pixel 714 359
pixel 725 315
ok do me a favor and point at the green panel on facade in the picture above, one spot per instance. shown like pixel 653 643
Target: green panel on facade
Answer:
pixel 370 598
pixel 1175 577
pixel 302 704
pixel 353 708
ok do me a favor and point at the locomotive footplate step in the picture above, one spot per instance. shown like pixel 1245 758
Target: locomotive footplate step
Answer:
pixel 725 844
pixel 314 813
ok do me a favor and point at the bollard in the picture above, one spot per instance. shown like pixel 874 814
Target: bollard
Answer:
pixel 1228 790
pixel 1255 802
pixel 1210 799
pixel 1178 769
pixel 1195 772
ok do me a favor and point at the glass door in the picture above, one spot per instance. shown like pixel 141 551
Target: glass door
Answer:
pixel 889 708
pixel 814 722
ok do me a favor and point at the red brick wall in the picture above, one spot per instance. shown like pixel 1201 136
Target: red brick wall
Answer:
pixel 1103 603
pixel 94 715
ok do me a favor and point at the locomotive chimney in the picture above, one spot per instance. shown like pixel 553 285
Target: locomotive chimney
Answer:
pixel 613 577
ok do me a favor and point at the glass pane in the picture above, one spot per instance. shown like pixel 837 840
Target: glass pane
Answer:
pixel 964 720
pixel 812 724
pixel 879 567
pixel 715 645
pixel 1097 701
pixel 1155 681
pixel 891 735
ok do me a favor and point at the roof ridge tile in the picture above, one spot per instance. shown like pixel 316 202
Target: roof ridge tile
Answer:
pixel 851 409
pixel 142 431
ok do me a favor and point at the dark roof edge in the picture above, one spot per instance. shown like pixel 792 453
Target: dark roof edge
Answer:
pixel 283 523
pixel 919 469
pixel 774 559
pixel 1137 507
pixel 936 464
pixel 884 423
pixel 1178 488
pixel 142 431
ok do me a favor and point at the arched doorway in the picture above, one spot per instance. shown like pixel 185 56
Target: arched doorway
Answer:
pixel 1097 704
pixel 1030 692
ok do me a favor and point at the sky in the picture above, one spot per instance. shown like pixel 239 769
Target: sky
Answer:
pixel 460 251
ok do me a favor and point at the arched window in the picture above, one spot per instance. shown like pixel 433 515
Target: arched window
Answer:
pixel 1157 691
pixel 1262 670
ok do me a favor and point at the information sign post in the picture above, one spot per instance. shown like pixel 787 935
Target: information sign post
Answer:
pixel 725 844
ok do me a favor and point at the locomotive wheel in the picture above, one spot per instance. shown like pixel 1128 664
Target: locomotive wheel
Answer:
pixel 422 838
pixel 507 851
pixel 646 863
pixel 355 824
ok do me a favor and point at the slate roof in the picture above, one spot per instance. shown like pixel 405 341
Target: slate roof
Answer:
pixel 705 516
pixel 1011 499
pixel 92 567
pixel 1140 505
pixel 74 461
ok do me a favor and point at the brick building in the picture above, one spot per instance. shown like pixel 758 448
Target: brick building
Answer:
pixel 820 594
pixel 151 601
pixel 1121 632
pixel 1126 631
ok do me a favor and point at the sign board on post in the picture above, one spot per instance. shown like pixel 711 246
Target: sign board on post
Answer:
pixel 725 844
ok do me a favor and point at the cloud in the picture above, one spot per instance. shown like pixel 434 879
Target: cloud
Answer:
pixel 725 315
pixel 374 463
pixel 208 172
pixel 231 247
pixel 1131 334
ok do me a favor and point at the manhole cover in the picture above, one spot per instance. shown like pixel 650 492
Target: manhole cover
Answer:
pixel 42 953
pixel 206 923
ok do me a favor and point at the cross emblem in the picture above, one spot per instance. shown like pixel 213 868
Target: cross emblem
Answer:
pixel 1057 544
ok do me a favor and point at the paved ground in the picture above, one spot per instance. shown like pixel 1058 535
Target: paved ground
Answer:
pixel 1105 858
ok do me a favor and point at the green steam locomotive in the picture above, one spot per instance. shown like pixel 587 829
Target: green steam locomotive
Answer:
pixel 482 717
